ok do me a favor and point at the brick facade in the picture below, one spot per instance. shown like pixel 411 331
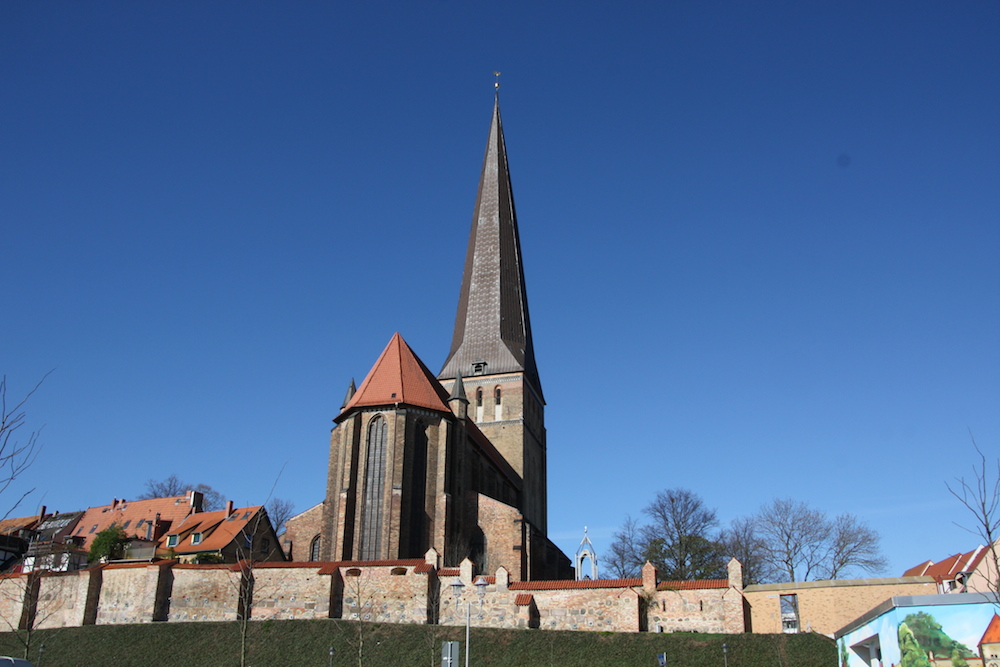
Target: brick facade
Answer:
pixel 827 606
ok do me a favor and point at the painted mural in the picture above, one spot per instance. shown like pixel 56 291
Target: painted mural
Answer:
pixel 934 635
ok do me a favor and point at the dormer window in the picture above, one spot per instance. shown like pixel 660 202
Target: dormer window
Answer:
pixel 171 540
pixel 478 367
pixel 196 538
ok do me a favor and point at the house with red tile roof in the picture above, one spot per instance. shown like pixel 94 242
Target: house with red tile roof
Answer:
pixel 145 522
pixel 970 572
pixel 224 536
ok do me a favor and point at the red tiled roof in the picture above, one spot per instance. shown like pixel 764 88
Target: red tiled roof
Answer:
pixel 992 634
pixel 217 529
pixel 449 572
pixel 523 599
pixel 9 526
pixel 134 516
pixel 569 584
pixel 949 567
pixel 692 585
pixel 400 377
pixel 918 570
pixel 423 567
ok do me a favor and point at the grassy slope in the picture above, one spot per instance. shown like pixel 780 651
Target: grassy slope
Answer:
pixel 307 643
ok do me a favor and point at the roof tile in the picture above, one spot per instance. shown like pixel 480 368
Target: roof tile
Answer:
pixel 399 376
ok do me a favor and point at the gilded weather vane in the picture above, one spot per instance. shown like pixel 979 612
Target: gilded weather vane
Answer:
pixel 497 84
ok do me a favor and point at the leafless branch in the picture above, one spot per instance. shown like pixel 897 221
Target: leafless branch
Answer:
pixel 981 497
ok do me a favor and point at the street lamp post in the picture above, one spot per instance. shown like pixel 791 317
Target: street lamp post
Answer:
pixel 331 656
pixel 456 588
pixel 725 654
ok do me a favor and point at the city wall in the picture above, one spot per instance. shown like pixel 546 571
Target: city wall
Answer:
pixel 403 591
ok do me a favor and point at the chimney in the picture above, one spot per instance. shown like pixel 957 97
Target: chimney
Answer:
pixel 195 500
pixel 229 508
pixel 41 513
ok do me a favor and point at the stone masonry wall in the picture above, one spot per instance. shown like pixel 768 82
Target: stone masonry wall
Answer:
pixel 12 591
pixel 697 610
pixel 204 593
pixel 62 599
pixel 384 594
pixel 129 594
pixel 551 605
pixel 285 592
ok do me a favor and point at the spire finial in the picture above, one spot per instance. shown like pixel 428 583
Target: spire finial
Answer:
pixel 496 85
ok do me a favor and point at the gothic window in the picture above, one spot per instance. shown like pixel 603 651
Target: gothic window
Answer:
pixel 496 404
pixel 418 491
pixel 371 522
pixel 314 549
pixel 479 397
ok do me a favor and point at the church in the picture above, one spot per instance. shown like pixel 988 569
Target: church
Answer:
pixel 454 462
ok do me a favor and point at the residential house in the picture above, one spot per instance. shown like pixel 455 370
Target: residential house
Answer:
pixel 970 572
pixel 145 522
pixel 225 536
pixel 53 546
pixel 15 535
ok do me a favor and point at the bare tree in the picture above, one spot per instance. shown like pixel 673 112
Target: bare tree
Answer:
pixel 680 540
pixel 802 544
pixel 795 537
pixel 15 454
pixel 212 500
pixel 361 598
pixel 742 542
pixel 981 496
pixel 624 556
pixel 279 511
pixel 29 607
pixel 853 544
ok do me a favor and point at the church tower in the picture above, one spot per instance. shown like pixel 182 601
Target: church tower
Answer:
pixel 491 348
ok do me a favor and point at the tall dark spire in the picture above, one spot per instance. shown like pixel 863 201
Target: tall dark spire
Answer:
pixel 492 328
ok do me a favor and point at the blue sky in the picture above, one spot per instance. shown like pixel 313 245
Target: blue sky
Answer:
pixel 760 241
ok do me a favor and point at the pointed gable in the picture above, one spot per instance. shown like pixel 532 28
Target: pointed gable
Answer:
pixel 992 634
pixel 492 328
pixel 399 377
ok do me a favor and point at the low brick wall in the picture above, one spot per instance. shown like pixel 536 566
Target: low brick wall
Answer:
pixel 827 606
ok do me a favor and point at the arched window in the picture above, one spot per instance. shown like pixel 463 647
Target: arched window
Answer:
pixel 479 404
pixel 497 411
pixel 371 521
pixel 314 549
